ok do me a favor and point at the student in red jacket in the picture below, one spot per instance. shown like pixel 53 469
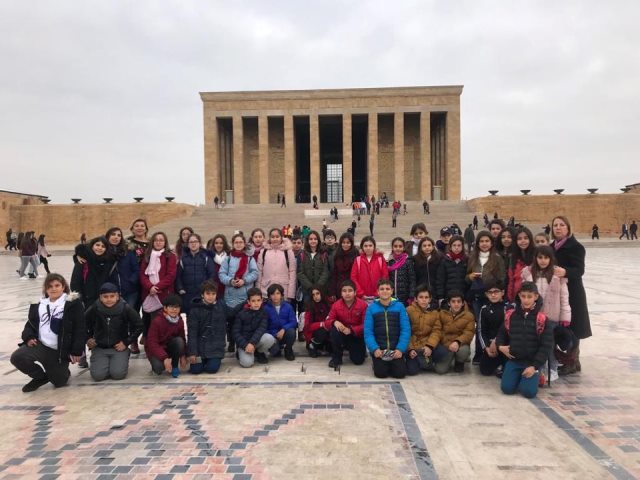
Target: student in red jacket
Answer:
pixel 345 325
pixel 315 315
pixel 166 342
pixel 369 267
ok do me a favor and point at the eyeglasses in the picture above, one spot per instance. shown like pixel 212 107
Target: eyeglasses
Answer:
pixel 494 292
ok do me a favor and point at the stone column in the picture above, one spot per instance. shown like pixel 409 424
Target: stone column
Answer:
pixel 372 155
pixel 314 144
pixel 289 160
pixel 398 155
pixel 425 155
pixel 347 165
pixel 452 156
pixel 263 158
pixel 211 158
pixel 238 161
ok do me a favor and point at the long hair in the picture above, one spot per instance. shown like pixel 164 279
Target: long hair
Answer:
pixel 54 277
pixel 352 252
pixel 41 239
pixel 536 271
pixel 167 250
pixel 492 264
pixel 121 248
pixel 306 241
pixel 420 258
pixel 526 255
pixel 179 246
pixel 225 243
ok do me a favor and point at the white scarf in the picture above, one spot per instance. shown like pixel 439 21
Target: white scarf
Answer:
pixel 220 257
pixel 153 269
pixel 484 258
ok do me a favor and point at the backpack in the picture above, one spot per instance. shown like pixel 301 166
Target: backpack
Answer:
pixel 286 256
pixel 541 320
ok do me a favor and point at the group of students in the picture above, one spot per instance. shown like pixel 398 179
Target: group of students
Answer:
pixel 420 309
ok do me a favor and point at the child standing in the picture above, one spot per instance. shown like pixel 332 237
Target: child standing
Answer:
pixel 282 322
pixel 249 331
pixel 525 339
pixel 489 322
pixel 368 268
pixel 386 333
pixel 426 332
pixel 165 343
pixel 458 328
pixel 401 272
pixel 207 328
pixel 452 269
pixel 521 257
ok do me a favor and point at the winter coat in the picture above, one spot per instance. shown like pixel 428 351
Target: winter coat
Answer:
pixel 168 271
pixel 207 329
pixel 249 326
pixel 386 327
pixel 109 326
pixel 403 280
pixel 88 277
pixel 477 285
pixel 554 294
pixel 460 327
pixel 352 317
pixel 29 247
pixel 490 320
pixel 285 319
pixel 314 318
pixel 278 265
pixel 570 256
pixel 235 296
pixel 72 332
pixel 161 331
pixel 525 344
pixel 427 272
pixel 126 275
pixel 426 329
pixel 193 271
pixel 514 279
pixel 366 273
pixel 313 271
pixel 451 277
pixel 340 271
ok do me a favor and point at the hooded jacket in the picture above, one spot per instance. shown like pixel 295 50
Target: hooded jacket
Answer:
pixel 426 329
pixel 207 328
pixel 554 294
pixel 278 265
pixel 313 271
pixel 108 326
pixel 460 327
pixel 88 277
pixel 387 327
pixel 366 273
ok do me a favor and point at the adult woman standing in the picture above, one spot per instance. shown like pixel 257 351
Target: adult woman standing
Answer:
pixel 277 264
pixel 138 242
pixel 570 255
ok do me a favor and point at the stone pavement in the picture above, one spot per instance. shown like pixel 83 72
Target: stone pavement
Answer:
pixel 303 420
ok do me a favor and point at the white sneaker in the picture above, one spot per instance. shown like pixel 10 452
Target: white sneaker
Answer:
pixel 24 277
pixel 553 375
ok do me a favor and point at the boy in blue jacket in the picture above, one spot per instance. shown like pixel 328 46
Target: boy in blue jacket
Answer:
pixel 282 322
pixel 387 331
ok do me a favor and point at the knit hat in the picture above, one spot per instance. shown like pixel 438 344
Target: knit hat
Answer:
pixel 108 288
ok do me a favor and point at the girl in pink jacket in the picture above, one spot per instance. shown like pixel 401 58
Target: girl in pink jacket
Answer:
pixel 277 264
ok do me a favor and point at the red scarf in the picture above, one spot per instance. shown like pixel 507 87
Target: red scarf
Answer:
pixel 457 257
pixel 242 266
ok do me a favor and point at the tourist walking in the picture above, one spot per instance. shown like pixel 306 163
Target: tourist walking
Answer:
pixel 372 222
pixel 475 222
pixel 633 230
pixel 43 253
pixel 283 203
pixel 28 251
pixel 625 232
pixel 469 235
pixel 595 235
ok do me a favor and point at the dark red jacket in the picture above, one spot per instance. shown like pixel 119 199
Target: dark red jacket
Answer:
pixel 314 318
pixel 352 317
pixel 168 270
pixel 161 331
pixel 365 274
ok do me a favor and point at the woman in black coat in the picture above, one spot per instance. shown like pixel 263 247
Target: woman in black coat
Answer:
pixel 570 255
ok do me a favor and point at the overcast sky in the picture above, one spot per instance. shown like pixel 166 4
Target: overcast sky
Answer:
pixel 101 99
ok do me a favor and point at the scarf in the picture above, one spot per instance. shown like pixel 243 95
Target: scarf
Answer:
pixel 456 257
pixel 117 309
pixel 242 265
pixel 220 257
pixel 153 269
pixel 559 243
pixel 398 261
pixel 171 319
pixel 483 257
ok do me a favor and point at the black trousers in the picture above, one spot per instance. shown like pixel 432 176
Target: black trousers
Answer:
pixel 488 365
pixel 321 339
pixel 175 349
pixel 288 339
pixel 45 263
pixel 25 358
pixel 340 342
pixel 395 368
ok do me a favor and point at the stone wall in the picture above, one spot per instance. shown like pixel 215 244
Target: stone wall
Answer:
pixel 63 224
pixel 9 200
pixel 608 211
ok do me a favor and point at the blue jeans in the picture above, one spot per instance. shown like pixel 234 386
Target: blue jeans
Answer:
pixel 208 365
pixel 513 381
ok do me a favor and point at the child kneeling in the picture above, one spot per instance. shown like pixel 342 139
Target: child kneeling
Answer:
pixel 112 325
pixel 525 338
pixel 165 345
pixel 386 333
pixel 207 329
pixel 282 322
pixel 458 328
pixel 250 331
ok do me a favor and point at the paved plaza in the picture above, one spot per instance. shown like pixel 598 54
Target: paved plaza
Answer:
pixel 303 420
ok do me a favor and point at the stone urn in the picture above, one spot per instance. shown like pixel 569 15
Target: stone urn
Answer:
pixel 592 191
pixel 625 189
pixel 493 192
pixel 525 192
pixel 559 191
pixel 46 201
pixel 107 199
pixel 76 200
pixel 169 199
pixel 138 199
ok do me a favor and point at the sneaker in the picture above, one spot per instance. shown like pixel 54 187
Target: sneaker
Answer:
pixel 34 384
pixel 542 380
pixel 175 372
pixel 83 363
pixel 499 371
pixel 458 367
pixel 261 357
pixel 24 277
pixel 553 375
pixel 333 364
pixel 288 354
pixel 31 275
pixel 475 361
pixel 313 351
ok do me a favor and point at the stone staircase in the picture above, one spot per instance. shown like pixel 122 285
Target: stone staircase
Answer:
pixel 207 221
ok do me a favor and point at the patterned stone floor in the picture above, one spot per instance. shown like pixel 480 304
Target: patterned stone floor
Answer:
pixel 302 420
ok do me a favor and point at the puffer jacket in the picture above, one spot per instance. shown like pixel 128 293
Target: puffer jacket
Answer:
pixel 108 326
pixel 278 265
pixel 285 319
pixel 126 275
pixel 313 271
pixel 554 294
pixel 207 329
pixel 386 327
pixel 193 271
pixel 451 277
pixel 366 273
pixel 427 272
pixel 249 326
pixel 352 317
pixel 426 329
pixel 460 327
pixel 403 279
pixel 235 296
pixel 72 332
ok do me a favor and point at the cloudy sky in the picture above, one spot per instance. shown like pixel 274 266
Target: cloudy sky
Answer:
pixel 101 98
